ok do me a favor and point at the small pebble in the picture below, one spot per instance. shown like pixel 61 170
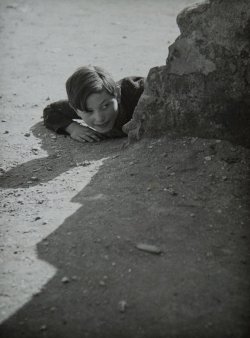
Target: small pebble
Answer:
pixel 192 215
pixel 208 158
pixel 6 132
pixel 11 6
pixel 3 120
pixel 65 280
pixel 102 283
pixel 224 178
pixel 149 248
pixel 171 191
pixel 34 178
pixel 122 305
pixel 27 134
pixel 37 218
pixel 37 294
pixel 40 202
pixel 43 328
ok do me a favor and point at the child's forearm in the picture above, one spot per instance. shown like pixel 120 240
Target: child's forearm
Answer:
pixel 70 128
pixel 83 133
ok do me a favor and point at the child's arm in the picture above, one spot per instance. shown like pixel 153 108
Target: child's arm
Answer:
pixel 58 116
pixel 83 134
pixel 131 90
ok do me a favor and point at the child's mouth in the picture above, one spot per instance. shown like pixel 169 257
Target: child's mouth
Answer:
pixel 104 125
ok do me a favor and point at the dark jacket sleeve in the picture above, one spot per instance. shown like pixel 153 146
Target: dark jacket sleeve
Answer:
pixel 58 115
pixel 131 89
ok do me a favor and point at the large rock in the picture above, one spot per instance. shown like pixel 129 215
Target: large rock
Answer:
pixel 204 88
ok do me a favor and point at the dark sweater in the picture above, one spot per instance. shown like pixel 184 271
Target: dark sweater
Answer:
pixel 59 115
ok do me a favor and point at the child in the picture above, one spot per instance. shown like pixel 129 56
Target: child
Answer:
pixel 93 96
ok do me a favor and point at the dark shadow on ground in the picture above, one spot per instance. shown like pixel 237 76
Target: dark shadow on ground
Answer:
pixel 190 198
pixel 63 154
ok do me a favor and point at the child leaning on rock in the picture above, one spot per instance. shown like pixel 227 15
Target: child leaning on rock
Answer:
pixel 103 104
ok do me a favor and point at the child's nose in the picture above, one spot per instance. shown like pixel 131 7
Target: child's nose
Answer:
pixel 99 118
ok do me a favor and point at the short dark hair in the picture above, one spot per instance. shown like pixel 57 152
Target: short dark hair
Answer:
pixel 88 80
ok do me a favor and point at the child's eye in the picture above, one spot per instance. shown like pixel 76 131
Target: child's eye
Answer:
pixel 106 105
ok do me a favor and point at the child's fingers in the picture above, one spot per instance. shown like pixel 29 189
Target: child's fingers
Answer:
pixel 95 137
pixel 85 138
pixel 90 137
pixel 79 139
pixel 101 136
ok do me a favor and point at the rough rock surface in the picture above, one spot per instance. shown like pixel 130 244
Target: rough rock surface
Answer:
pixel 204 88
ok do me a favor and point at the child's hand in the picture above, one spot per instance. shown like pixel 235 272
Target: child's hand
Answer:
pixel 82 133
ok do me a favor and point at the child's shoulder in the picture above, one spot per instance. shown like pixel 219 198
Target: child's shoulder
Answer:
pixel 132 80
pixel 132 83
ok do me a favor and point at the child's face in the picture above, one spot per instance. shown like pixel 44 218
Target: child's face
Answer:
pixel 101 113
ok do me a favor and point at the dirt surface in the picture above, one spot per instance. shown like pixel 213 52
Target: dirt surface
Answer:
pixel 73 215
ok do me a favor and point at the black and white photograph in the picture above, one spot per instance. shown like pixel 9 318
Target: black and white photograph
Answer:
pixel 125 169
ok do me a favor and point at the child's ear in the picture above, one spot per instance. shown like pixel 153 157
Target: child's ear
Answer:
pixel 118 94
